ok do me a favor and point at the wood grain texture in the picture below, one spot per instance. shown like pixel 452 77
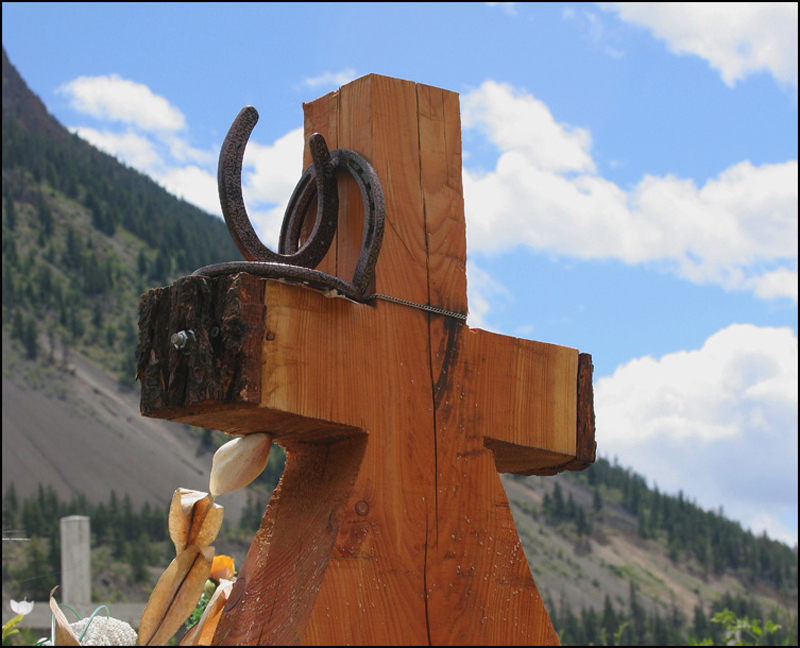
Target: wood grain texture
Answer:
pixel 390 524
pixel 585 445
pixel 223 370
pixel 480 588
pixel 442 196
pixel 290 553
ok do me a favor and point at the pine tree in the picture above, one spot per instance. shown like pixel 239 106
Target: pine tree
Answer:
pixel 558 502
pixel 597 501
pixel 30 338
pixel 10 508
pixel 591 627
pixel 137 558
pixel 44 215
pixel 700 623
pixel 638 616
pixel 11 210
pixel 610 621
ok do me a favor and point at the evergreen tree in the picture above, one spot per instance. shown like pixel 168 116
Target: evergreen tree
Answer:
pixel 610 621
pixel 17 325
pixel 582 526
pixel 45 215
pixel 638 616
pixel 138 555
pixel 571 507
pixel 591 627
pixel 30 338
pixel 700 625
pixel 37 583
pixel 558 502
pixel 10 508
pixel 129 523
pixel 597 501
pixel 11 210
pixel 141 263
pixel 73 252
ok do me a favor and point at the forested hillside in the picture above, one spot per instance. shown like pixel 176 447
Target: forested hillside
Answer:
pixel 84 236
pixel 639 583
pixel 614 558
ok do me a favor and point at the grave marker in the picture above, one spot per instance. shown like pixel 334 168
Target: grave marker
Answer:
pixel 390 524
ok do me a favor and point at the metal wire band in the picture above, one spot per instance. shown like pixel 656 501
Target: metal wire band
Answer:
pixel 424 307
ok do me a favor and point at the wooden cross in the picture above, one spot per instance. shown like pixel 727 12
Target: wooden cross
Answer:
pixel 390 524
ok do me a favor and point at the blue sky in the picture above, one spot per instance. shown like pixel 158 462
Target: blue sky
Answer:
pixel 630 178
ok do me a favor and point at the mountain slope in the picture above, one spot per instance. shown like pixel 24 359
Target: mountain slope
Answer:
pixel 620 561
pixel 84 435
pixel 25 108
pixel 79 230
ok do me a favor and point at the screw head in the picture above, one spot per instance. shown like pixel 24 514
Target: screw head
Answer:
pixel 183 341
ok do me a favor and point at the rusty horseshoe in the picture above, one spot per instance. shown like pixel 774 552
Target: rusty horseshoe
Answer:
pixel 296 261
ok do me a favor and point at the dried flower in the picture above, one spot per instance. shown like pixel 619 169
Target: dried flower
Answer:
pixel 175 595
pixel 194 521
pixel 194 518
pixel 202 633
pixel 62 634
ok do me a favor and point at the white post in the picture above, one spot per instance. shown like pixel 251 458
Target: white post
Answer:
pixel 76 566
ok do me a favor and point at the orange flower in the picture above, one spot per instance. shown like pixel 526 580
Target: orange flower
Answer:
pixel 222 567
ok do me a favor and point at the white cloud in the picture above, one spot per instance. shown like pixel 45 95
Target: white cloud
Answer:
pixel 181 151
pixel 333 79
pixel 270 171
pixel 516 122
pixel 269 175
pixel 193 184
pixel 151 142
pixel 736 38
pixel 594 31
pixel 719 422
pixel 134 150
pixel 738 230
pixel 481 289
pixel 113 98
pixel 778 283
pixel 508 8
pixel 152 145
